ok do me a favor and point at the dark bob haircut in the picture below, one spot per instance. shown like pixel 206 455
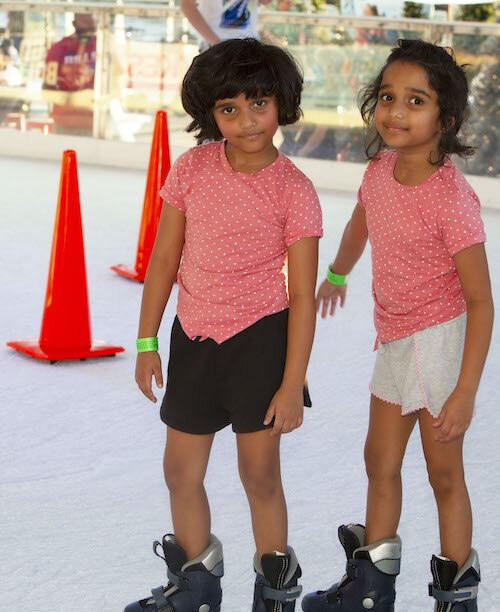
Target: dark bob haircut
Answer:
pixel 446 78
pixel 240 66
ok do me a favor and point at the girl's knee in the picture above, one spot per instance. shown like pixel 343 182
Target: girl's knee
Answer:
pixel 381 466
pixel 260 483
pixel 445 479
pixel 179 476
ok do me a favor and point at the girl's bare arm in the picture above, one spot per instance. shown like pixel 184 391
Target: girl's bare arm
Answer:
pixel 350 250
pixel 196 19
pixel 472 267
pixel 160 277
pixel 288 404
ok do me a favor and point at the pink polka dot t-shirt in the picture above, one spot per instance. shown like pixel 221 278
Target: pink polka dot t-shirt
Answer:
pixel 414 233
pixel 238 229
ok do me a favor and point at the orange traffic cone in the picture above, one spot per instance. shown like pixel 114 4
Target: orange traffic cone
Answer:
pixel 65 332
pixel 159 167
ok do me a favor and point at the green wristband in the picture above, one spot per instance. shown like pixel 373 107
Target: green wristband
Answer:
pixel 336 279
pixel 147 344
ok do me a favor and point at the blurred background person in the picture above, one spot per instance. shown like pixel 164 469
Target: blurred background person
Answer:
pixel 10 74
pixel 216 20
pixel 363 36
pixel 10 77
pixel 68 80
pixel 15 28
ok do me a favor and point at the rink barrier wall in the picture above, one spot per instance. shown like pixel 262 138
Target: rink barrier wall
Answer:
pixel 325 174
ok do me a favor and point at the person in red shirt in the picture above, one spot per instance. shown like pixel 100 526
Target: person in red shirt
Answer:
pixel 68 80
pixel 433 313
pixel 235 210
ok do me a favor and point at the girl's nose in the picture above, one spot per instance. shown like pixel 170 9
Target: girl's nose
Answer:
pixel 247 118
pixel 397 111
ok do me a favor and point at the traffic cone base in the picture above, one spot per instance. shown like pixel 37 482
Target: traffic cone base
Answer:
pixel 33 349
pixel 128 272
pixel 65 331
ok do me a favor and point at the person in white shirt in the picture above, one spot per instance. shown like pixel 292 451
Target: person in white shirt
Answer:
pixel 217 20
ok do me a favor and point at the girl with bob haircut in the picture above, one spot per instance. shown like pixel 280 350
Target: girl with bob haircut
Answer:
pixel 255 69
pixel 235 210
pixel 433 317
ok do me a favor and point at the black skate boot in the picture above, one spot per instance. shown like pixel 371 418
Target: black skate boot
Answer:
pixel 455 589
pixel 369 580
pixel 193 585
pixel 276 579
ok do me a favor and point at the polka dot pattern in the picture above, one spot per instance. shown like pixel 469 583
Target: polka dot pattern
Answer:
pixel 414 233
pixel 238 229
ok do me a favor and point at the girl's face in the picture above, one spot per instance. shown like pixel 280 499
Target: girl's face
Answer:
pixel 407 111
pixel 248 125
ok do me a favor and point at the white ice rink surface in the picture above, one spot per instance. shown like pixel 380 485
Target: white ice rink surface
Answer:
pixel 82 492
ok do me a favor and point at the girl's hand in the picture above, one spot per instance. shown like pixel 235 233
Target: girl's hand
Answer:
pixel 148 364
pixel 287 408
pixel 455 417
pixel 327 297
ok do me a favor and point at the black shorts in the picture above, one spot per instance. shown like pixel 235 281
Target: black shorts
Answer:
pixel 210 385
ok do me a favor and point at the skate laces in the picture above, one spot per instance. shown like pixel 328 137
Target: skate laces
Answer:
pixel 351 571
pixel 349 539
pixel 174 556
pixel 157 545
pixel 443 588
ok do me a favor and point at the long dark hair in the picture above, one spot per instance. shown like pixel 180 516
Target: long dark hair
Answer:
pixel 447 79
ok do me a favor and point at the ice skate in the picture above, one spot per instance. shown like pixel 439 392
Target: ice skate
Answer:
pixel 455 590
pixel 194 586
pixel 369 580
pixel 276 579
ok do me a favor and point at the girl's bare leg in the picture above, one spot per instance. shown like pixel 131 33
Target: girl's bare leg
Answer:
pixel 385 446
pixel 446 475
pixel 259 467
pixel 185 465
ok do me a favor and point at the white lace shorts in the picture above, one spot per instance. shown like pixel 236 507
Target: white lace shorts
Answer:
pixel 421 370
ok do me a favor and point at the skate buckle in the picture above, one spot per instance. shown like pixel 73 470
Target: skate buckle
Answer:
pixel 181 582
pixel 160 600
pixel 334 597
pixel 283 595
pixel 293 593
pixel 453 595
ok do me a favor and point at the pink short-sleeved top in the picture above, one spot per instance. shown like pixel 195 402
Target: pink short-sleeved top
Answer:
pixel 238 229
pixel 414 233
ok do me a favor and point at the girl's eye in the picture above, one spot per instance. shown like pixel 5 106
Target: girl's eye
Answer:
pixel 260 103
pixel 228 110
pixel 416 101
pixel 385 97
